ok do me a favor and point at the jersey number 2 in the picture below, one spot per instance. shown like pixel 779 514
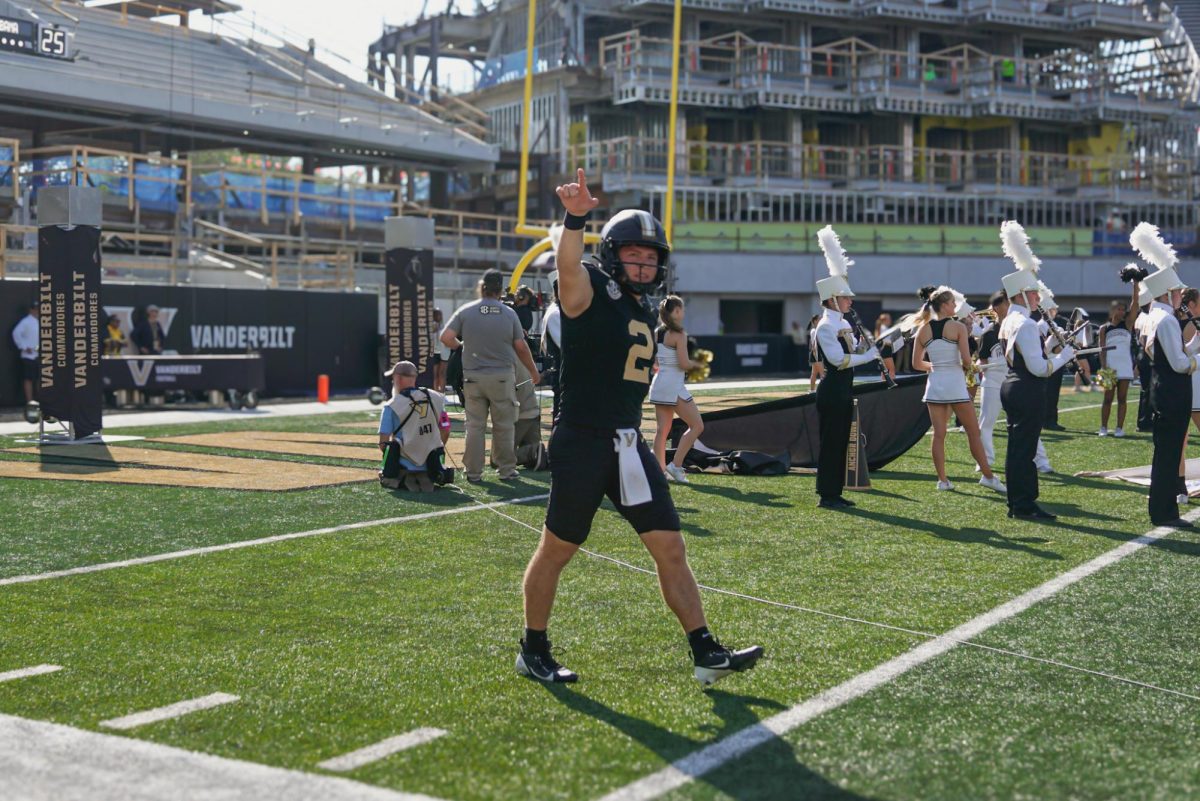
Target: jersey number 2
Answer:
pixel 642 350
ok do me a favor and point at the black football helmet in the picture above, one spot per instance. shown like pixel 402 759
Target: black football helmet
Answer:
pixel 633 227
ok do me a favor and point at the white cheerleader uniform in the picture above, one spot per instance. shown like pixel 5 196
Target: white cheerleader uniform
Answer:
pixel 668 387
pixel 946 383
pixel 1120 356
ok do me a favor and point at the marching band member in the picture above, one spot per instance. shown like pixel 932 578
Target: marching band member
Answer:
pixel 1049 307
pixel 1170 381
pixel 965 313
pixel 1190 309
pixel 887 350
pixel 994 369
pixel 940 347
pixel 1085 334
pixel 1191 333
pixel 835 346
pixel 1118 333
pixel 1145 367
pixel 816 370
pixel 1023 394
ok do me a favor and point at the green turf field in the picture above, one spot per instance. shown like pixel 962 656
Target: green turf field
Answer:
pixel 337 641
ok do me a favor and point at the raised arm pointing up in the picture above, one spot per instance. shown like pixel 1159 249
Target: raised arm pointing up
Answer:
pixel 574 289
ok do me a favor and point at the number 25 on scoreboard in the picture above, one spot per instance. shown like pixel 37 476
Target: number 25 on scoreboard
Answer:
pixel 52 42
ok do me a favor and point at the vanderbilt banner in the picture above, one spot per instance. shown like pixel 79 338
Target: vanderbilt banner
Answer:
pixel 69 315
pixel 410 308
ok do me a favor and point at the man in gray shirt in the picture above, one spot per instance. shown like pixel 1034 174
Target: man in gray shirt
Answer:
pixel 493 341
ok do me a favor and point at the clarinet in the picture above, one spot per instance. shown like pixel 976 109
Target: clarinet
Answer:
pixel 1065 339
pixel 1186 317
pixel 862 334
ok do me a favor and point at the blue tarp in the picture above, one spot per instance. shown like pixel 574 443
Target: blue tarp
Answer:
pixel 160 195
pixel 152 194
pixel 325 201
pixel 6 170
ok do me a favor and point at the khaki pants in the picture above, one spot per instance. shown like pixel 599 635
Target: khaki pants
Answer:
pixel 492 393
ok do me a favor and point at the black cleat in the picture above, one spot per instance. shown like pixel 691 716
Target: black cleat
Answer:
pixel 1178 522
pixel 1034 514
pixel 541 666
pixel 834 503
pixel 721 661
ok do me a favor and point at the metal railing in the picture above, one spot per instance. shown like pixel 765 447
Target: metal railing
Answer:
pixel 852 66
pixel 764 162
pixel 10 160
pixel 150 180
pixel 293 195
pixel 200 232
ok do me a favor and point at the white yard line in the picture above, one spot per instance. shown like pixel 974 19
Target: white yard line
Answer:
pixel 737 745
pixel 50 762
pixel 381 749
pixel 232 546
pixel 176 710
pixel 36 670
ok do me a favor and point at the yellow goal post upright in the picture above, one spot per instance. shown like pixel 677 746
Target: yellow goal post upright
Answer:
pixel 542 234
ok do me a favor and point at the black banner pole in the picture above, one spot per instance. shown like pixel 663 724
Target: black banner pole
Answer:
pixel 409 293
pixel 69 383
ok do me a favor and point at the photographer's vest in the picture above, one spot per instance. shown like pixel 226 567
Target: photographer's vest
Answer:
pixel 418 411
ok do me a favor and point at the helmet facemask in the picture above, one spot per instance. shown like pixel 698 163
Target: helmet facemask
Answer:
pixel 633 227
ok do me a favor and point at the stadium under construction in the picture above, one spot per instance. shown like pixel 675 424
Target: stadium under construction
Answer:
pixel 916 127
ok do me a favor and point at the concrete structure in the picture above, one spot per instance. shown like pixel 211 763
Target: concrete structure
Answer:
pixel 923 123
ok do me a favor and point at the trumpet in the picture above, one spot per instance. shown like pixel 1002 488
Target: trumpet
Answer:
pixel 988 313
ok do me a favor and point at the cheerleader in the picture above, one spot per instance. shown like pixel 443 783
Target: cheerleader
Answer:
pixel 669 393
pixel 1118 333
pixel 940 348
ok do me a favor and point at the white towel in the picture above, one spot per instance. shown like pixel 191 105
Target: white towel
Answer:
pixel 635 487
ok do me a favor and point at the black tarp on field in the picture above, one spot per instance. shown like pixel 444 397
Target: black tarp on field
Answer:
pixel 893 420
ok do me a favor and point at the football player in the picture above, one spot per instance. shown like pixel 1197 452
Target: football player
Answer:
pixel 596 449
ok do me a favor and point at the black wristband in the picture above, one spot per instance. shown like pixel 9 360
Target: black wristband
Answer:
pixel 575 223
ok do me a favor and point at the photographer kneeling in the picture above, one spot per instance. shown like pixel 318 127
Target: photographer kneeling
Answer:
pixel 413 430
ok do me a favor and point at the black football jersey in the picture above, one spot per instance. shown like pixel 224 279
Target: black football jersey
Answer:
pixel 607 354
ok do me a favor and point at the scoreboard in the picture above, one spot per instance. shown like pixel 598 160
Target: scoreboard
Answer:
pixel 25 36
